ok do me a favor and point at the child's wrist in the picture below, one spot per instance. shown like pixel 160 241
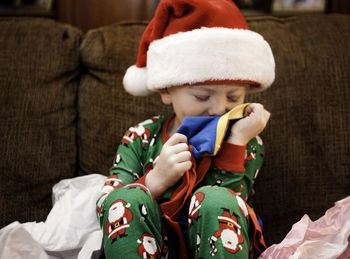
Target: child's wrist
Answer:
pixel 237 140
pixel 155 184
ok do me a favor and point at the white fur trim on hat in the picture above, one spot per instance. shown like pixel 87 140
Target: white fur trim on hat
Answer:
pixel 205 54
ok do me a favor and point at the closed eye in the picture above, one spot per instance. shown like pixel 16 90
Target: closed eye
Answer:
pixel 232 98
pixel 202 98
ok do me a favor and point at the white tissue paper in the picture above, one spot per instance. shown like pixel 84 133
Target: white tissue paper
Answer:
pixel 70 225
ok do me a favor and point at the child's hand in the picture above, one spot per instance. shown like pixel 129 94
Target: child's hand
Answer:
pixel 174 160
pixel 254 122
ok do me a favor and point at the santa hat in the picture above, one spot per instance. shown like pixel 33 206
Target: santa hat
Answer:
pixel 199 42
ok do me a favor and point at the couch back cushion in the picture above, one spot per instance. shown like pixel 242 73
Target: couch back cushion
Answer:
pixel 106 111
pixel 39 65
pixel 306 165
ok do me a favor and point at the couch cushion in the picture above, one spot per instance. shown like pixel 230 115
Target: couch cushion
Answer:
pixel 106 111
pixel 306 166
pixel 39 64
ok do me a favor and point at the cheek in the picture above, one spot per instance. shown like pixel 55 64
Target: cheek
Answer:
pixel 240 101
pixel 187 106
pixel 234 104
pixel 197 109
pixel 189 110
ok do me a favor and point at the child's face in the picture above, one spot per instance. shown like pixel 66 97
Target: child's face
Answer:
pixel 203 100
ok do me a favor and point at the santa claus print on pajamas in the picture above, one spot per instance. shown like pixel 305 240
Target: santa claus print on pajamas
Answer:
pixel 229 233
pixel 119 217
pixel 241 203
pixel 112 182
pixel 139 131
pixel 194 207
pixel 148 247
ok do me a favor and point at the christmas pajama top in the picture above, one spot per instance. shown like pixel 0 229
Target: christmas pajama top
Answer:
pixel 234 167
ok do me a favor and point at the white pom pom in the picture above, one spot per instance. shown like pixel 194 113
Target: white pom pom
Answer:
pixel 135 81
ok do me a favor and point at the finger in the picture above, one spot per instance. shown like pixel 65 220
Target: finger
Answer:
pixel 180 147
pixel 183 157
pixel 247 110
pixel 264 118
pixel 176 138
pixel 266 114
pixel 184 166
pixel 253 107
pixel 260 111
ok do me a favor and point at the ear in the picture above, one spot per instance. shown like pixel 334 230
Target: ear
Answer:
pixel 165 96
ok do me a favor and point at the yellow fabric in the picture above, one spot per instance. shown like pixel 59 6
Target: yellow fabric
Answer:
pixel 235 113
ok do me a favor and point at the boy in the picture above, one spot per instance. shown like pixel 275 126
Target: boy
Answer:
pixel 159 201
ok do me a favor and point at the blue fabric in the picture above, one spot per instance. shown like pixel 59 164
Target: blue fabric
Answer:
pixel 201 134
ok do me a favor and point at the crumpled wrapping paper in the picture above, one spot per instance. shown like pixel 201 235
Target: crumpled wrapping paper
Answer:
pixel 68 227
pixel 326 238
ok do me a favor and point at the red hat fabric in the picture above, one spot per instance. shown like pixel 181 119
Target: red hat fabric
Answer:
pixel 199 41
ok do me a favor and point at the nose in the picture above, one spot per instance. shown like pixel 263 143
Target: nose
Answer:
pixel 219 106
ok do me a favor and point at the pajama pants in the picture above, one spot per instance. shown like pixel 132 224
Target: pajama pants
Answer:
pixel 218 225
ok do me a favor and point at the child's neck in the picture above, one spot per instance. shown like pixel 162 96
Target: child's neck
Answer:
pixel 172 127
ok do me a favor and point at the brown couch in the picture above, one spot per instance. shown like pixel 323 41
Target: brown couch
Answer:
pixel 63 111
